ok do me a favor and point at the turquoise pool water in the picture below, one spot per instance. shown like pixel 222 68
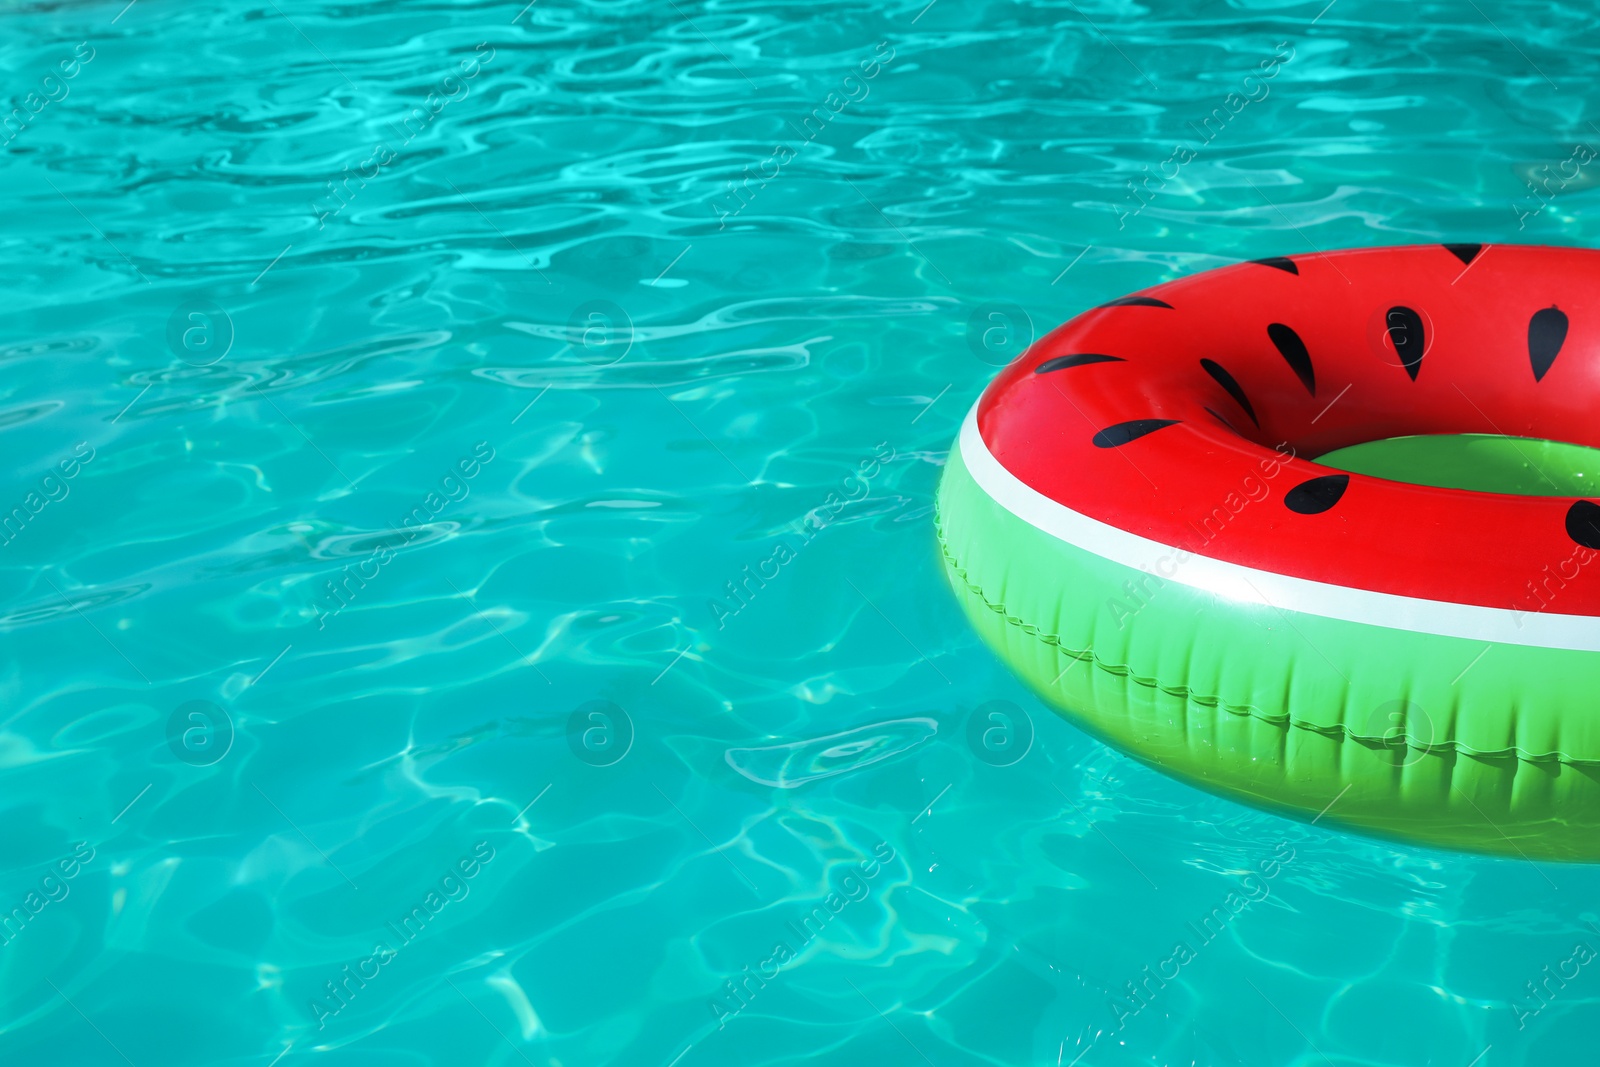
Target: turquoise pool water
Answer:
pixel 474 600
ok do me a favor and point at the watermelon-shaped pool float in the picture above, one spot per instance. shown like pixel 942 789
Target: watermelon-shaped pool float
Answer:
pixel 1318 532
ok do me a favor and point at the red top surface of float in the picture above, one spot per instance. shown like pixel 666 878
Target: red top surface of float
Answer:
pixel 1170 414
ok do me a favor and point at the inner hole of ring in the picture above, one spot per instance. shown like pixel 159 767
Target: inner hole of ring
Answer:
pixel 1485 463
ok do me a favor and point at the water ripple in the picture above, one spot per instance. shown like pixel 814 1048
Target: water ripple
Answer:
pixel 792 765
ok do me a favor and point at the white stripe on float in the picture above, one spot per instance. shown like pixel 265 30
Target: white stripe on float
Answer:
pixel 1252 586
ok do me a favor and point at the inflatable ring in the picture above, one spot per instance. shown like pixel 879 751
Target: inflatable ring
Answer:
pixel 1316 532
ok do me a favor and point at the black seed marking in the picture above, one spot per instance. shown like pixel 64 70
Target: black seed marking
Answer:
pixel 1294 353
pixel 1547 332
pixel 1583 523
pixel 1465 253
pixel 1281 262
pixel 1063 362
pixel 1228 382
pixel 1136 302
pixel 1123 432
pixel 1405 330
pixel 1316 495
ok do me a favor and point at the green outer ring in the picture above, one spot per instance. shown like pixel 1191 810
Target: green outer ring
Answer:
pixel 1381 724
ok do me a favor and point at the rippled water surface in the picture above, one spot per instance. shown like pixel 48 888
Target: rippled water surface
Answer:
pixel 475 600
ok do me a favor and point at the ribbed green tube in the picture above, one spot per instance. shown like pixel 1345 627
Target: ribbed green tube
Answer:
pixel 1435 740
